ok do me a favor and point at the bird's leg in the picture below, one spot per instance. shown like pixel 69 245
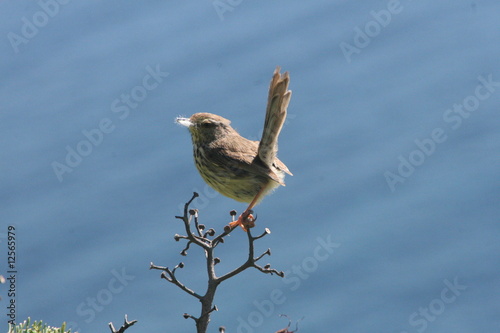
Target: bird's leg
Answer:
pixel 246 220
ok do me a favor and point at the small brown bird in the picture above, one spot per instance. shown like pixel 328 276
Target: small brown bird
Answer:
pixel 236 167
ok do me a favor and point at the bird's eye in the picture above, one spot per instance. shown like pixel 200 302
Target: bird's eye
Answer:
pixel 207 124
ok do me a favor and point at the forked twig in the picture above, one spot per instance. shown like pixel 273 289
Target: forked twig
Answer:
pixel 125 325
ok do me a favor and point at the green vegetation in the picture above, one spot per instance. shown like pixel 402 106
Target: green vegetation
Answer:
pixel 36 327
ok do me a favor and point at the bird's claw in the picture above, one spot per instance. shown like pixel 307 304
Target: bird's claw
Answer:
pixel 245 221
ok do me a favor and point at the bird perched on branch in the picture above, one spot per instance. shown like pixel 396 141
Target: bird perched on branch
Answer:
pixel 236 167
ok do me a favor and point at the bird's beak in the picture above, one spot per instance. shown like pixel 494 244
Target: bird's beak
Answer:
pixel 183 121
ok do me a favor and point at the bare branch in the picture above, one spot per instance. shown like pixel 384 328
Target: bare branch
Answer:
pixel 125 325
pixel 268 252
pixel 208 241
pixel 178 237
pixel 266 232
pixel 184 251
pixel 198 227
pixel 187 315
pixel 270 271
pixel 174 280
pixel 251 261
pixel 169 275
pixel 153 266
pixel 220 238
pixel 285 330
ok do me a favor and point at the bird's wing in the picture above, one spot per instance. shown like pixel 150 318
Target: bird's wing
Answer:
pixel 242 157
pixel 277 103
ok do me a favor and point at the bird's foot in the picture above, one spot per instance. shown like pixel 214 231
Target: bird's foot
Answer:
pixel 245 221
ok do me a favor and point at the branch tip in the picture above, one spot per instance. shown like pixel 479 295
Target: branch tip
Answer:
pixel 184 252
pixel 153 266
pixel 266 232
pixel 187 315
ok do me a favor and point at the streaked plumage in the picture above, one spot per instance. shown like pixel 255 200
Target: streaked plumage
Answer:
pixel 236 167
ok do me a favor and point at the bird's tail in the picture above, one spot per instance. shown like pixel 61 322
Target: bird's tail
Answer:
pixel 277 103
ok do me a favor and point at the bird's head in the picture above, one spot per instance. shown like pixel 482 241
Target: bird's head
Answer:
pixel 206 127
